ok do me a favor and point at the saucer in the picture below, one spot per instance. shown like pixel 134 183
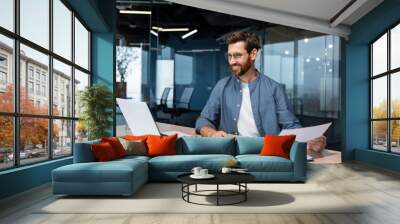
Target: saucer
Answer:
pixel 208 176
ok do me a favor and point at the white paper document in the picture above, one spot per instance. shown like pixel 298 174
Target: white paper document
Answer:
pixel 139 118
pixel 307 133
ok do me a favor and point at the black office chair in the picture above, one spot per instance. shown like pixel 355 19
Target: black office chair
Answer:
pixel 183 105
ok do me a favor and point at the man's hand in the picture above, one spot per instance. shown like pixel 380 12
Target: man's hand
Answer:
pixel 317 144
pixel 218 134
pixel 211 132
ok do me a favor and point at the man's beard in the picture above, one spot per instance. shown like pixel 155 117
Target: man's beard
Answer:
pixel 243 69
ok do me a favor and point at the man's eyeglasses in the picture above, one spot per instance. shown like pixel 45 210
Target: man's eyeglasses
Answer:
pixel 235 56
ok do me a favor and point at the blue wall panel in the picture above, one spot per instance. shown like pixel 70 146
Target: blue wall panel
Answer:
pixel 24 178
pixel 356 134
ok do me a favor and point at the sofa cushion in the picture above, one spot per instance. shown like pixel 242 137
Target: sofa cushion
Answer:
pixel 257 163
pixel 249 145
pixel 206 145
pixel 185 163
pixel 83 152
pixel 112 171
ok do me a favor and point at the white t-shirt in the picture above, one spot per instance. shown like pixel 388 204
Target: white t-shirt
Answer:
pixel 246 124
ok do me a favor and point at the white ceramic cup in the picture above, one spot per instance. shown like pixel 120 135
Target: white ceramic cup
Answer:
pixel 203 172
pixel 226 170
pixel 196 170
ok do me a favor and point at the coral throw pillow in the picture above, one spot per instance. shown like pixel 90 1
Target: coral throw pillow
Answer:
pixel 161 145
pixel 116 145
pixel 277 145
pixel 136 137
pixel 103 152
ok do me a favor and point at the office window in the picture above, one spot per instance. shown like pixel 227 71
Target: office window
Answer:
pixel 35 21
pixel 81 82
pixel 385 95
pixel 81 45
pixel 40 62
pixel 49 135
pixel 7 14
pixel 62 29
pixel 63 73
pixel 62 137
pixel 33 140
pixel 6 73
pixel 6 142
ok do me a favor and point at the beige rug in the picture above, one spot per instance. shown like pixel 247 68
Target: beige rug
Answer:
pixel 166 198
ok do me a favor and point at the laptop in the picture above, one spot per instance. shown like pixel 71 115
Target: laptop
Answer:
pixel 140 120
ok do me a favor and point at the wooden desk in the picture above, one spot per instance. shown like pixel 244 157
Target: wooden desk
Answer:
pixel 325 157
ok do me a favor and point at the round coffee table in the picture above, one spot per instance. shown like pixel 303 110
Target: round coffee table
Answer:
pixel 238 179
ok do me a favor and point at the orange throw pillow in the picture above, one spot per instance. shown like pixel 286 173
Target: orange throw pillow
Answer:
pixel 136 137
pixel 161 145
pixel 277 145
pixel 103 151
pixel 116 145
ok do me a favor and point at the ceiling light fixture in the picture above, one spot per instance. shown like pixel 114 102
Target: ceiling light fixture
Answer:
pixel 137 12
pixel 160 29
pixel 154 33
pixel 174 29
pixel 189 34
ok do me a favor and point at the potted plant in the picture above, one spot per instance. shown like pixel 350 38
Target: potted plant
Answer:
pixel 96 102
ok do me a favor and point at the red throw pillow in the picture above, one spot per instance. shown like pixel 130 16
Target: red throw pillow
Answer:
pixel 161 145
pixel 103 152
pixel 116 145
pixel 277 145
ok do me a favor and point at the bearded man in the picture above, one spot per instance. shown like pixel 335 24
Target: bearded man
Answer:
pixel 248 103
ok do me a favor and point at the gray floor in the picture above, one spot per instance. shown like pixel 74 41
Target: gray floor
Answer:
pixel 377 188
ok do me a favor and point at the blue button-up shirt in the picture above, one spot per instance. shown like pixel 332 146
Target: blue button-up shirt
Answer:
pixel 269 103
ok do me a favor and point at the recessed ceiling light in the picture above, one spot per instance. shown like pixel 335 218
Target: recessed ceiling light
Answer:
pixel 307 60
pixel 286 52
pixel 330 46
pixel 317 59
pixel 305 40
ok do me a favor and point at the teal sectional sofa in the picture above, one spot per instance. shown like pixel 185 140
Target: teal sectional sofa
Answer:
pixel 125 176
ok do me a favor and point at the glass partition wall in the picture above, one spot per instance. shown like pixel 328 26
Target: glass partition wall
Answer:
pixel 175 47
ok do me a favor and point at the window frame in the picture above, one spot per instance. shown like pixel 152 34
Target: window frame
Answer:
pixel 18 40
pixel 388 74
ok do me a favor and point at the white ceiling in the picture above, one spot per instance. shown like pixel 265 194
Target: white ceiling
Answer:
pixel 320 9
pixel 315 15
